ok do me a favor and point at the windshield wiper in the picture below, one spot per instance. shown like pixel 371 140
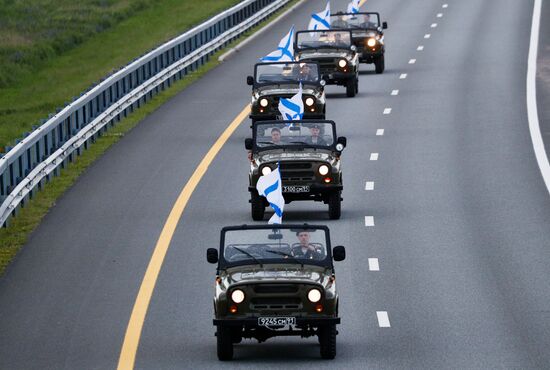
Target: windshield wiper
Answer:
pixel 270 143
pixel 304 143
pixel 280 253
pixel 249 255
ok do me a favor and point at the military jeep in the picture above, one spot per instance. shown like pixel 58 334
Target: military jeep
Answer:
pixel 367 35
pixel 307 153
pixel 273 81
pixel 335 53
pixel 275 280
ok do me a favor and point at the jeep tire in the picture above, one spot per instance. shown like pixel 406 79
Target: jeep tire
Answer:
pixel 379 64
pixel 224 344
pixel 335 205
pixel 257 206
pixel 352 87
pixel 327 341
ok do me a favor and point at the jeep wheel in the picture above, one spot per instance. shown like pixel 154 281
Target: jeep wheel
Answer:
pixel 334 205
pixel 225 344
pixel 351 87
pixel 379 64
pixel 327 340
pixel 257 206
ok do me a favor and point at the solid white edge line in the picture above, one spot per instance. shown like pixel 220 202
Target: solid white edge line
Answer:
pixel 374 156
pixel 369 185
pixel 380 132
pixel 369 221
pixel 383 319
pixel 243 43
pixel 532 110
pixel 373 264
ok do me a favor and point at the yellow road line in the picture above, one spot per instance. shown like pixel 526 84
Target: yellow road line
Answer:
pixel 133 331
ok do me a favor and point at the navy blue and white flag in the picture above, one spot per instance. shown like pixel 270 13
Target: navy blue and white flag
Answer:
pixel 353 6
pixel 321 20
pixel 292 109
pixel 270 187
pixel 285 51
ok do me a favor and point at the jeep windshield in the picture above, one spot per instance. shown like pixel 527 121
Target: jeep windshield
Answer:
pixel 331 39
pixel 280 73
pixel 267 245
pixel 357 20
pixel 270 135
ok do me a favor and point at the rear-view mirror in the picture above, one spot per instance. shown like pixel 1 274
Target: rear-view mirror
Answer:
pixel 384 25
pixel 212 255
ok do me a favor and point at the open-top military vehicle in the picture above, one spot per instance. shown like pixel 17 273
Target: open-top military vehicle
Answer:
pixel 275 280
pixel 367 35
pixel 335 53
pixel 307 153
pixel 273 81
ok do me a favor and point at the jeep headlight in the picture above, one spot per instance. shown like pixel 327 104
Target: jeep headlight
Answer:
pixel 237 296
pixel 309 102
pixel 342 63
pixel 264 102
pixel 323 169
pixel 314 295
pixel 266 170
pixel 371 42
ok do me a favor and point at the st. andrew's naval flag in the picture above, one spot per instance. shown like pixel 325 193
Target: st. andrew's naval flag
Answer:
pixel 321 20
pixel 285 50
pixel 353 6
pixel 292 109
pixel 270 187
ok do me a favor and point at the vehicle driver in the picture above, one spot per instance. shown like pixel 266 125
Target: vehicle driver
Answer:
pixel 367 23
pixel 276 136
pixel 315 138
pixel 305 250
pixel 305 73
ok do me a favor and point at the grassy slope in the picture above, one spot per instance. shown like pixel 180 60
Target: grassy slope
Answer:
pixel 34 97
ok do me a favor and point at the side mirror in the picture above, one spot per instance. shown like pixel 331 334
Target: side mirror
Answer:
pixel 341 143
pixel 248 143
pixel 384 25
pixel 212 255
pixel 353 48
pixel 250 80
pixel 338 253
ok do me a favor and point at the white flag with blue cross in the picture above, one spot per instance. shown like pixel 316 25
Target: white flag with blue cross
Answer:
pixel 285 50
pixel 321 20
pixel 353 6
pixel 292 109
pixel 270 187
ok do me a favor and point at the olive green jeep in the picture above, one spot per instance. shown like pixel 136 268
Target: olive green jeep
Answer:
pixel 307 153
pixel 275 280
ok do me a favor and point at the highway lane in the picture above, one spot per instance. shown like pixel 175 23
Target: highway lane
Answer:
pixel 459 207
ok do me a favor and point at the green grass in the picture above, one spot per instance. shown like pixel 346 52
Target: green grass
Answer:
pixel 28 218
pixel 56 80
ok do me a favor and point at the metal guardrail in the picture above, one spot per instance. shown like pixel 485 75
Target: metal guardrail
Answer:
pixel 51 146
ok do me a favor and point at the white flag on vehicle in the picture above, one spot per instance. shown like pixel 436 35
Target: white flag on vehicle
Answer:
pixel 321 20
pixel 285 50
pixel 292 109
pixel 269 186
pixel 353 6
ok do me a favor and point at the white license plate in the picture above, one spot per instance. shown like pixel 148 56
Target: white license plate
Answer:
pixel 295 189
pixel 276 321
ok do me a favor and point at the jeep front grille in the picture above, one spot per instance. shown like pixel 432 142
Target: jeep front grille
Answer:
pixel 326 65
pixel 275 303
pixel 275 288
pixel 297 171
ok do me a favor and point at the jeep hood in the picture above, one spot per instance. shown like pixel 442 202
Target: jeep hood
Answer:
pixel 319 155
pixel 325 54
pixel 285 90
pixel 315 275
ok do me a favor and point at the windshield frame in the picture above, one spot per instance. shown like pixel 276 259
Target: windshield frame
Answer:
pixel 332 147
pixel 299 49
pixel 327 262
pixel 357 28
pixel 296 82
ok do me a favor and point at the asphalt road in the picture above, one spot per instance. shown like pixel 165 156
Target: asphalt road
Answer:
pixel 461 214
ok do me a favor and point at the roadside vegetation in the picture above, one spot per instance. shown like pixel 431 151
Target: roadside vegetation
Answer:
pixel 14 237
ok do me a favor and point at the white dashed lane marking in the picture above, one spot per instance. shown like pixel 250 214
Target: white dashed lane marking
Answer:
pixel 374 156
pixel 395 92
pixel 387 110
pixel 439 15
pixel 420 47
pixel 444 5
pixel 383 319
pixel 373 264
pixel 402 76
pixel 427 36
pixel 434 25
pixel 412 61
pixel 369 221
pixel 369 185
pixel 380 132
